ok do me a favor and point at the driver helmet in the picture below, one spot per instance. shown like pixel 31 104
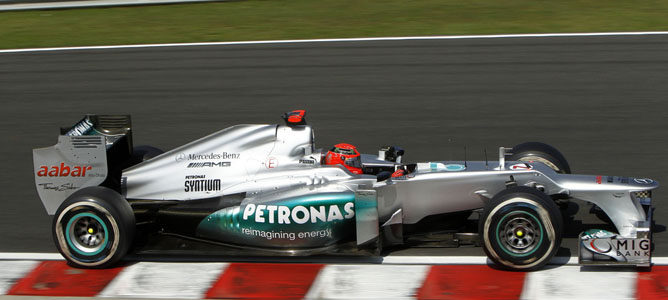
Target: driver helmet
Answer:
pixel 345 155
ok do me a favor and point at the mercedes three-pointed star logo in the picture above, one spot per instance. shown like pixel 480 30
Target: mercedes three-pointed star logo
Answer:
pixel 643 180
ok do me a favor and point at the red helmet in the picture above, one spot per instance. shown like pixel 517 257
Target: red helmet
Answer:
pixel 345 155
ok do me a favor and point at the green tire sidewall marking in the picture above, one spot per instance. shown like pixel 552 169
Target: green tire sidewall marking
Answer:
pixel 498 236
pixel 68 238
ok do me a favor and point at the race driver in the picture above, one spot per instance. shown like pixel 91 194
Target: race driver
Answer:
pixel 348 156
pixel 345 155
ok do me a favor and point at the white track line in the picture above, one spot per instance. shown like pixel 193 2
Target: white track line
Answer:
pixel 435 260
pixel 30 256
pixel 91 3
pixel 660 260
pixel 458 260
pixel 404 38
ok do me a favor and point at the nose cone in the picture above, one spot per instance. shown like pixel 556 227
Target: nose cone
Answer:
pixel 644 183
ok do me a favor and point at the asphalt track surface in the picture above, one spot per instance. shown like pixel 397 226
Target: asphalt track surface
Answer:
pixel 600 100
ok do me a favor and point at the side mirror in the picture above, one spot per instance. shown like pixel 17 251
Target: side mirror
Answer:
pixel 391 153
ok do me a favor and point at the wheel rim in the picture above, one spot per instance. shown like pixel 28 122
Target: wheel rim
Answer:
pixel 86 234
pixel 519 234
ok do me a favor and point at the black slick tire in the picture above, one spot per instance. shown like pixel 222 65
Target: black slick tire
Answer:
pixel 540 152
pixel 94 228
pixel 521 229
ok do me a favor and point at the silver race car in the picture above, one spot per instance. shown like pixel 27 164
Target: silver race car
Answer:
pixel 266 189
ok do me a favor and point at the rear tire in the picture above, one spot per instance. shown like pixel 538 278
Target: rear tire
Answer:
pixel 540 152
pixel 521 229
pixel 94 228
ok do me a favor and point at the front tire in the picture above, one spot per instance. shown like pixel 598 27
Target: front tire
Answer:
pixel 521 229
pixel 94 228
pixel 540 152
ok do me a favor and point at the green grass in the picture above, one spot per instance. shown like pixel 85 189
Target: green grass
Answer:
pixel 306 19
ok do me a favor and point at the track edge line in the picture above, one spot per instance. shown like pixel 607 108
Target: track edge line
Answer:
pixel 332 40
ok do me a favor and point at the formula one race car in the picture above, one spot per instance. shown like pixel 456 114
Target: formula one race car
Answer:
pixel 265 188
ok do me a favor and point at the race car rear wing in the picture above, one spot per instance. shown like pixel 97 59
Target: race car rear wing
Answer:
pixel 113 128
pixel 89 153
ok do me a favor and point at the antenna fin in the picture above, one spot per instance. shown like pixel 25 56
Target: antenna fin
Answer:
pixel 486 163
pixel 465 163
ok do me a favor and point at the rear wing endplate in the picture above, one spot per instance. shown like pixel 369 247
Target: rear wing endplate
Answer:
pixel 73 163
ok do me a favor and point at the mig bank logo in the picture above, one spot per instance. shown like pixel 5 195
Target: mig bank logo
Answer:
pixel 621 248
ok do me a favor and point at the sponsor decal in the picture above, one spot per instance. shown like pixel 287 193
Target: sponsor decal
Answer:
pixel 199 183
pixel 597 233
pixel 302 221
pixel 58 188
pixel 601 246
pixel 269 235
pixel 606 243
pixel 209 164
pixel 271 163
pixel 633 247
pixel 620 247
pixel 299 214
pixel 437 166
pixel 521 167
pixel 454 167
pixel 643 180
pixel 206 156
pixel 307 161
pixel 63 170
pixel 81 128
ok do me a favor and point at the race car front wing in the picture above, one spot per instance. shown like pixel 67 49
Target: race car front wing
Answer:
pixel 602 247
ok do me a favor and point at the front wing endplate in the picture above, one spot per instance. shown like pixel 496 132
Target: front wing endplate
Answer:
pixel 601 247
